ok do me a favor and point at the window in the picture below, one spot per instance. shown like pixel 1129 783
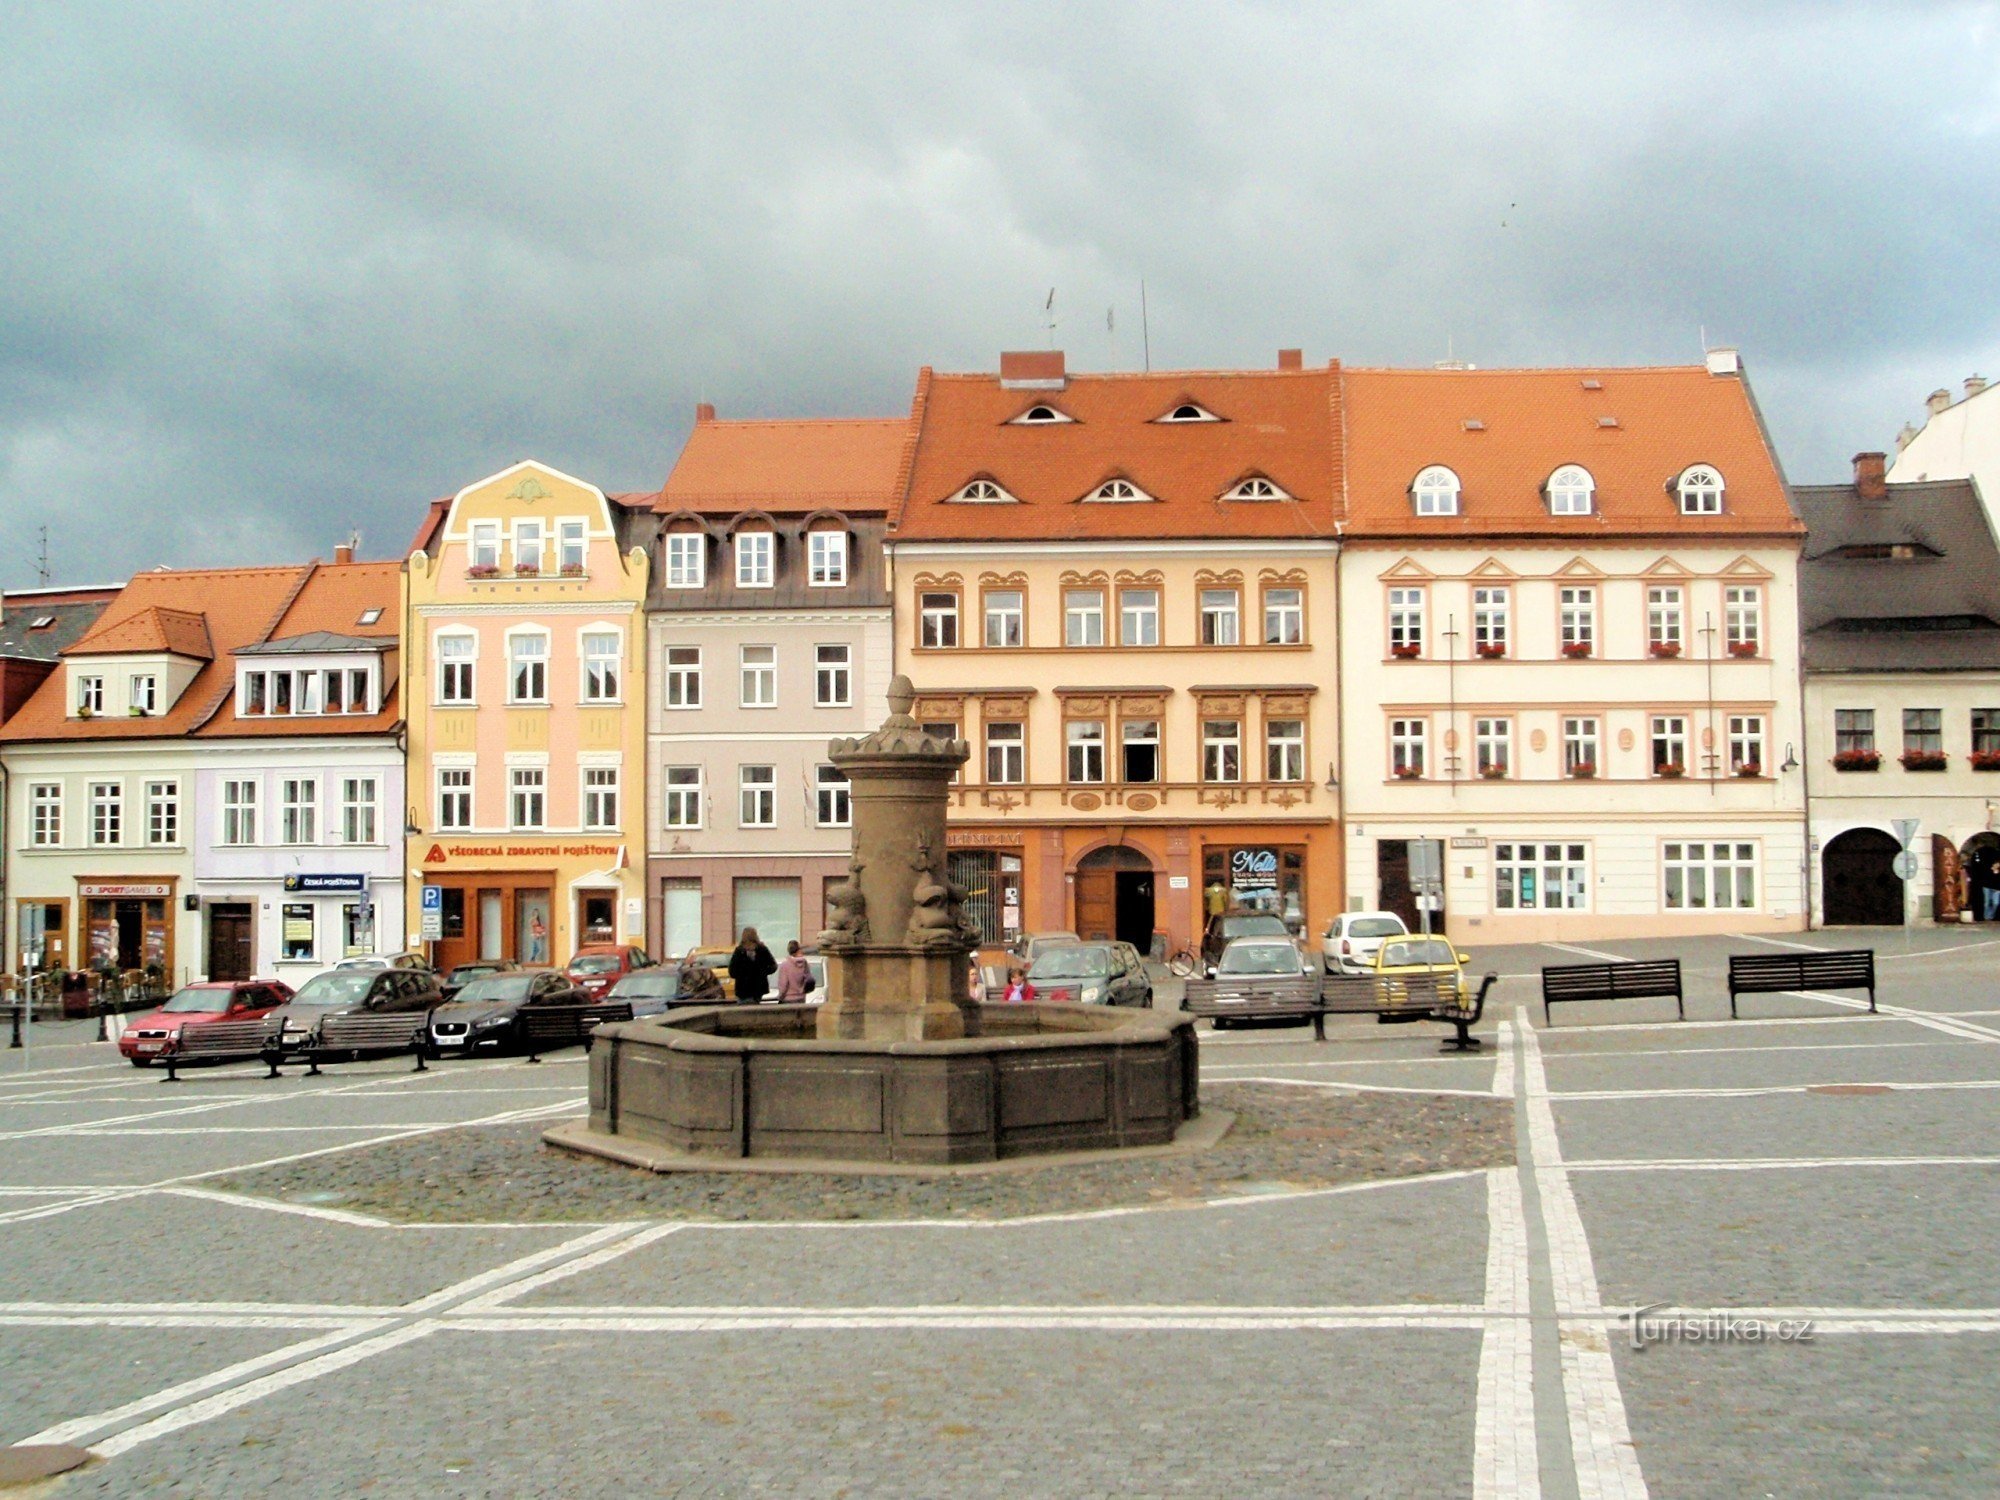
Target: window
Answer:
pixel 1489 622
pixel 145 693
pixel 1284 617
pixel 1120 490
pixel 1221 750
pixel 281 692
pixel 255 697
pixel 296 934
pixel 826 559
pixel 1139 745
pixel 357 809
pixel 1669 736
pixel 600 797
pixel 90 695
pixel 1041 414
pixel 1220 613
pixel 239 812
pixel 1007 753
pixel 1705 877
pixel 832 802
pixel 455 655
pixel 1853 730
pixel 687 553
pixel 1406 622
pixel 107 812
pixel 1436 492
pixel 1085 759
pixel 571 547
pixel 1986 731
pixel 758 675
pixel 1570 490
pixel 369 617
pixel 1083 617
pixel 681 800
pixel 1285 750
pixel 1493 746
pixel 528 547
pixel 1255 488
pixel 758 796
pixel 681 683
pixel 454 797
pixel 45 809
pixel 1547 877
pixel 981 492
pixel 1139 617
pixel 1580 747
pixel 357 929
pixel 1187 411
pixel 600 666
pixel 1746 744
pixel 528 797
pixel 528 656
pixel 1743 618
pixel 754 553
pixel 1700 491
pixel 938 620
pixel 833 676
pixel 1923 731
pixel 485 549
pixel 1003 618
pixel 298 803
pixel 1664 619
pixel 1578 608
pixel 1409 741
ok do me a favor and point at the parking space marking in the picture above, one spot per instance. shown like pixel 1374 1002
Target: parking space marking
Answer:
pixel 1752 1091
pixel 1353 1088
pixel 1774 1163
pixel 1503 1062
pixel 1505 1457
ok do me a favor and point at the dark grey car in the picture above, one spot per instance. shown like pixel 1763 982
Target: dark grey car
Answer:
pixel 1092 974
pixel 343 991
pixel 485 1016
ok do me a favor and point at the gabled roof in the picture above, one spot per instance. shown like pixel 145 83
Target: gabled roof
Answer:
pixel 325 615
pixel 1283 424
pixel 790 466
pixel 1504 432
pixel 337 595
pixel 70 614
pixel 157 628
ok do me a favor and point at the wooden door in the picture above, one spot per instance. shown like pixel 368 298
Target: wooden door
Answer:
pixel 1096 905
pixel 230 950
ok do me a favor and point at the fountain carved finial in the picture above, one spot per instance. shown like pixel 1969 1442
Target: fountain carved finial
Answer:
pixel 902 698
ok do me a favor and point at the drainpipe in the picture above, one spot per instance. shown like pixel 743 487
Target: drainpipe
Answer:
pixel 1339 723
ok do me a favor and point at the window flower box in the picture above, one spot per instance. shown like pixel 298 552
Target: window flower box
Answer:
pixel 1742 648
pixel 572 570
pixel 1750 768
pixel 1406 650
pixel 1489 649
pixel 1409 773
pixel 1671 770
pixel 1493 773
pixel 1985 760
pixel 527 570
pixel 1665 649
pixel 482 570
pixel 1583 770
pixel 1857 760
pixel 1576 650
pixel 1924 760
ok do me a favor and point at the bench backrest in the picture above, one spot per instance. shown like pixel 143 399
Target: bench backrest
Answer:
pixel 362 1030
pixel 545 1022
pixel 1252 994
pixel 1846 968
pixel 222 1039
pixel 1638 980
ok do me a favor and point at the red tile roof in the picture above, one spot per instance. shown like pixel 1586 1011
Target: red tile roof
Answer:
pixel 181 632
pixel 847 464
pixel 333 599
pixel 432 523
pixel 1531 422
pixel 1281 425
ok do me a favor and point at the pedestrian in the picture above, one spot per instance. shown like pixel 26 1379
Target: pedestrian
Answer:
pixel 751 966
pixel 1019 991
pixel 795 978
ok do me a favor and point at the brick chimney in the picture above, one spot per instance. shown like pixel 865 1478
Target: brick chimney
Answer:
pixel 1938 401
pixel 704 411
pixel 343 555
pixel 1032 370
pixel 1870 481
pixel 1291 359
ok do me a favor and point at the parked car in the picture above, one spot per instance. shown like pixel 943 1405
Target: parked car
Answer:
pixel 717 960
pixel 342 991
pixel 463 974
pixel 1352 938
pixel 1400 957
pixel 1030 946
pixel 1091 974
pixel 649 991
pixel 598 966
pixel 387 961
pixel 147 1036
pixel 1225 927
pixel 486 1015
pixel 1252 961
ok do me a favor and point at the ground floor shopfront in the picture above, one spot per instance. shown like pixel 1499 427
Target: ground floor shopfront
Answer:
pixel 99 922
pixel 1954 844
pixel 706 900
pixel 292 926
pixel 532 900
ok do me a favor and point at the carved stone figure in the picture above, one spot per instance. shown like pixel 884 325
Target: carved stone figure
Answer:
pixel 849 923
pixel 934 920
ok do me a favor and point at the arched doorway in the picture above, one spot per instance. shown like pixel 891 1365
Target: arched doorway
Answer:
pixel 1980 859
pixel 1858 885
pixel 1114 897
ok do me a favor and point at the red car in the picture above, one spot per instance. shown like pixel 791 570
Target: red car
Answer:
pixel 147 1036
pixel 598 966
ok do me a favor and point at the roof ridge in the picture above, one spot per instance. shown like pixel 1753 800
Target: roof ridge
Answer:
pixel 906 466
pixel 227 684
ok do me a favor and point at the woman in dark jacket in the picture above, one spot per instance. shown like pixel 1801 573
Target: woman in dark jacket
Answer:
pixel 751 966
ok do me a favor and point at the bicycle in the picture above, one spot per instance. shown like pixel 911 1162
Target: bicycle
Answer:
pixel 1181 963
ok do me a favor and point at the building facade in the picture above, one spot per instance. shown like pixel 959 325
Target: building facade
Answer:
pixel 1960 439
pixel 524 639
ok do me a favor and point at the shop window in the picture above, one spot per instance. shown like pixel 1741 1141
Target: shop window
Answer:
pixel 680 913
pixel 1255 878
pixel 769 904
pixel 357 929
pixel 534 935
pixel 296 939
pixel 1709 876
pixel 1546 877
pixel 992 884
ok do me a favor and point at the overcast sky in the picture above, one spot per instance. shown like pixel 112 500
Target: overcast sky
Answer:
pixel 272 272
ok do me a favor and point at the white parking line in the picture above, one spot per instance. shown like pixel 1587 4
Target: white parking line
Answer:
pixel 1505 1458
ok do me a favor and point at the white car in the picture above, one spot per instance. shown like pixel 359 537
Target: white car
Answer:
pixel 1353 938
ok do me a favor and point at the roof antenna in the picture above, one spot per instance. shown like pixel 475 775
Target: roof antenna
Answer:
pixel 1049 315
pixel 1111 333
pixel 1701 332
pixel 1145 327
pixel 42 558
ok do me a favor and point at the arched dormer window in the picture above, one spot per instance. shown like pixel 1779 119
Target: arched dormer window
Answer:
pixel 1041 414
pixel 1188 411
pixel 1700 490
pixel 1435 492
pixel 1256 487
pixel 1571 491
pixel 981 492
pixel 1118 492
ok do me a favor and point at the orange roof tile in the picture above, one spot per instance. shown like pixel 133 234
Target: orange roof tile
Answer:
pixel 848 464
pixel 1281 425
pixel 1504 432
pixel 182 632
pixel 432 523
pixel 332 600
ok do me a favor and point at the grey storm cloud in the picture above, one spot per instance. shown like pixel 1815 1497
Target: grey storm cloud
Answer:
pixel 269 273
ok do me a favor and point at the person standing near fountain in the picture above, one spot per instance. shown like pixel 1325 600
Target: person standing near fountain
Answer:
pixel 751 966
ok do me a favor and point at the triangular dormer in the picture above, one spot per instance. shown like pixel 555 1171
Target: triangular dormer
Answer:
pixel 138 666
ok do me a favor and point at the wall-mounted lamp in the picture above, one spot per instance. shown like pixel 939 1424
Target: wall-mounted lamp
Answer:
pixel 410 823
pixel 1332 782
pixel 1791 760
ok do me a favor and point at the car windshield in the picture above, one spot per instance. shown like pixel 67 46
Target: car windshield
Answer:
pixel 466 973
pixel 1073 961
pixel 1259 958
pixel 1257 924
pixel 1431 951
pixel 198 999
pixel 594 963
pixel 336 987
pixel 1376 927
pixel 661 983
pixel 509 987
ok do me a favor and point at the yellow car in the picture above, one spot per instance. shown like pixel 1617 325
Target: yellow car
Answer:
pixel 718 960
pixel 1399 960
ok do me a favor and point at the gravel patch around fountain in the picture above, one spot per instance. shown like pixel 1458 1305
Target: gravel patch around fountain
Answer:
pixel 1284 1139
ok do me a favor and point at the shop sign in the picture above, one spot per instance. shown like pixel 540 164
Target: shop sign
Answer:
pixel 125 890
pixel 1177 882
pixel 1465 843
pixel 327 885
pixel 439 854
pixel 969 838
pixel 1253 869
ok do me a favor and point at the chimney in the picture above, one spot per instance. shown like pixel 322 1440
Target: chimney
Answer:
pixel 1938 400
pixel 1904 438
pixel 1032 370
pixel 1724 361
pixel 1870 481
pixel 1291 359
pixel 343 554
pixel 704 411
pixel 1974 384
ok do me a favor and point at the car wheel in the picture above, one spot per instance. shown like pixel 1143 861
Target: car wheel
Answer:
pixel 141 1062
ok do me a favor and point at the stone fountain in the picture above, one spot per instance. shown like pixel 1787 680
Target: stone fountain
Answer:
pixel 899 1064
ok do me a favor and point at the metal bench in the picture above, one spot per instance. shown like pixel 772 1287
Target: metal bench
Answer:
pixel 221 1041
pixel 1437 997
pixel 1640 979
pixel 1787 973
pixel 545 1027
pixel 368 1031
pixel 1258 999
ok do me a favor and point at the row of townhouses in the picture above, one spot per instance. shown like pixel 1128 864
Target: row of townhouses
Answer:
pixel 1215 639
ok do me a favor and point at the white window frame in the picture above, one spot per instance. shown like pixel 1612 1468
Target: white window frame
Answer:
pixel 756 554
pixel 826 559
pixel 90 694
pixel 457 677
pixel 144 692
pixel 1256 487
pixel 45 814
pixel 1700 490
pixel 600 792
pixel 572 546
pixel 682 802
pixel 833 798
pixel 757 681
pixel 536 664
pixel 1704 867
pixel 1571 491
pixel 1577 610
pixel 833 676
pixel 1006 752
pixel 1528 873
pixel 454 791
pixel 1002 620
pixel 298 810
pixel 602 670
pixel 1743 616
pixel 1222 751
pixel 1139 617
pixel 239 809
pixel 981 492
pixel 1083 752
pixel 359 803
pixel 1285 616
pixel 1435 491
pixel 757 796
pixel 1083 617
pixel 1666 615
pixel 1580 742
pixel 686 558
pixel 1407 608
pixel 1493 745
pixel 1746 743
pixel 935 621
pixel 107 814
pixel 531 542
pixel 1117 492
pixel 482 547
pixel 680 680
pixel 163 814
pixel 1409 747
pixel 1492 609
pixel 1285 750
pixel 527 798
pixel 1134 734
pixel 1667 742
pixel 1220 621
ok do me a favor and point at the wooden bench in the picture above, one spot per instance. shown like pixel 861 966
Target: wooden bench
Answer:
pixel 222 1041
pixel 392 1031
pixel 545 1027
pixel 1785 973
pixel 1272 998
pixel 1437 997
pixel 1638 980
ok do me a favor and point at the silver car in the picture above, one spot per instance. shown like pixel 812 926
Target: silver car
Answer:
pixel 1354 937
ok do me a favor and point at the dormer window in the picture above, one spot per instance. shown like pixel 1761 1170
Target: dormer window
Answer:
pixel 1435 492
pixel 89 696
pixel 145 693
pixel 571 547
pixel 981 492
pixel 1188 411
pixel 1118 491
pixel 1700 491
pixel 1571 491
pixel 264 692
pixel 1040 415
pixel 755 552
pixel 1255 488
pixel 484 553
pixel 686 553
